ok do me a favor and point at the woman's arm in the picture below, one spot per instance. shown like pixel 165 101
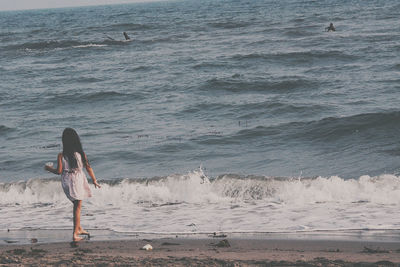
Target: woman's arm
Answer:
pixel 91 173
pixel 58 170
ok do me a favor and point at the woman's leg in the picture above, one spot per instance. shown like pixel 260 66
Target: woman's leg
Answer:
pixel 77 220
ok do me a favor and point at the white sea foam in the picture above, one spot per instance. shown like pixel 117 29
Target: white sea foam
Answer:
pixel 194 203
pixel 89 45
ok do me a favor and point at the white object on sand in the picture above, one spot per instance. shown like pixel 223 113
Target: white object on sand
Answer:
pixel 147 247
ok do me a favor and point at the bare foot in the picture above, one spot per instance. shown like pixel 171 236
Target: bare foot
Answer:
pixel 77 238
pixel 83 232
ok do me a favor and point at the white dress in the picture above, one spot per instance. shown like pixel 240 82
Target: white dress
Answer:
pixel 74 182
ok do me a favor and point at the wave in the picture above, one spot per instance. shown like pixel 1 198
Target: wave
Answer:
pixel 78 79
pixel 229 24
pixel 166 38
pixel 299 32
pixel 196 187
pixel 363 125
pixel 63 44
pixel 4 130
pixel 88 45
pixel 298 57
pixel 209 65
pixel 44 45
pixel 356 128
pixel 105 95
pixel 93 96
pixel 369 37
pixel 6 34
pixel 129 27
pixel 284 84
pixel 256 109
pixel 139 69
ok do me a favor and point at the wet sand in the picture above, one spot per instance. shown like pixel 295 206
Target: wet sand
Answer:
pixel 204 252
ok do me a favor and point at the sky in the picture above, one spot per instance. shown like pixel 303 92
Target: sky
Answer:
pixel 39 4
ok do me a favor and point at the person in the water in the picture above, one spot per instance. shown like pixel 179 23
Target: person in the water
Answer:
pixel 330 28
pixel 126 36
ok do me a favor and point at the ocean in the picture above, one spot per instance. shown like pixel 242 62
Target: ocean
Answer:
pixel 216 116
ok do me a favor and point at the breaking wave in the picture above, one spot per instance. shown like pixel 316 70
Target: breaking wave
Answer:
pixel 196 187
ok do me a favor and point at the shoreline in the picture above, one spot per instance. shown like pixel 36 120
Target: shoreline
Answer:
pixel 205 251
pixel 42 236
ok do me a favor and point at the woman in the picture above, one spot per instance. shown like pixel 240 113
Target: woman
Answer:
pixel 70 163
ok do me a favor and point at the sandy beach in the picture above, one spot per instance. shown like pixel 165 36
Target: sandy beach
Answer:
pixel 204 252
pixel 244 118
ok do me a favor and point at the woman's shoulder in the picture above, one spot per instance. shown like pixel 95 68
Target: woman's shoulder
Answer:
pixel 79 157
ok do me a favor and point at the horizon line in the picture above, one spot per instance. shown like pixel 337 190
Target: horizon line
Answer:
pixel 84 5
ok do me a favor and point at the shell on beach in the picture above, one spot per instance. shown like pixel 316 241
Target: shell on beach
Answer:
pixel 147 247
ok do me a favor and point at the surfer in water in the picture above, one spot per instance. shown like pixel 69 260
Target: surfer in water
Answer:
pixel 330 28
pixel 126 36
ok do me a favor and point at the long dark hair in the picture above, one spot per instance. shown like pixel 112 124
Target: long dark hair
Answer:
pixel 71 144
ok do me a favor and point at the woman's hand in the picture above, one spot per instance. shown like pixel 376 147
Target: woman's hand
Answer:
pixel 49 165
pixel 96 184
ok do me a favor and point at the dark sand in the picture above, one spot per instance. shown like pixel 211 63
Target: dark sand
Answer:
pixel 204 252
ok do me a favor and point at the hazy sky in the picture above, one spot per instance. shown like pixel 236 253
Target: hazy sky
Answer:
pixel 37 4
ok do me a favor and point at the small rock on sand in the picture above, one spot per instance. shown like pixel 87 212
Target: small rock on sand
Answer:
pixel 223 244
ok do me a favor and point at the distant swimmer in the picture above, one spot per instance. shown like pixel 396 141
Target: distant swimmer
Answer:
pixel 126 36
pixel 330 28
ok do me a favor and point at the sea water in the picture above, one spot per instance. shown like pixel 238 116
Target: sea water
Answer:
pixel 230 115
